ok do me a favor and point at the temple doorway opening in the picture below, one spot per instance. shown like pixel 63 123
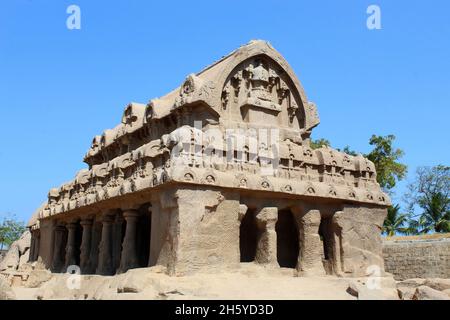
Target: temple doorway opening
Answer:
pixel 248 236
pixel 287 239
pixel 78 238
pixel 143 235
pixel 326 236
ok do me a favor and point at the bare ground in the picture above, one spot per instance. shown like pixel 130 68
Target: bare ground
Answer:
pixel 249 282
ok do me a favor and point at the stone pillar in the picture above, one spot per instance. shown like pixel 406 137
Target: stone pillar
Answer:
pixel 86 242
pixel 37 244
pixel 71 249
pixel 311 248
pixel 338 259
pixel 266 251
pixel 105 261
pixel 34 245
pixel 129 258
pixel 58 248
pixel 117 242
pixel 46 242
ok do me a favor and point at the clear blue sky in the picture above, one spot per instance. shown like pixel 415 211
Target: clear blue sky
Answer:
pixel 60 87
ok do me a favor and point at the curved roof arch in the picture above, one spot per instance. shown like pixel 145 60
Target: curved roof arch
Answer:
pixel 220 71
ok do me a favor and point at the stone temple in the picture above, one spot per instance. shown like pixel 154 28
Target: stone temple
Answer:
pixel 216 173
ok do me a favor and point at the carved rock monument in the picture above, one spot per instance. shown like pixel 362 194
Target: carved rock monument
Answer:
pixel 216 173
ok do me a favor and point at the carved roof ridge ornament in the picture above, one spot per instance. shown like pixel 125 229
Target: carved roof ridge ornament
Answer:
pixel 264 49
pixel 192 90
pixel 133 117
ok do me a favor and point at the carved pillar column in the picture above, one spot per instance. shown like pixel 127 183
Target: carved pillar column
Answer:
pixel 105 262
pixel 117 243
pixel 58 248
pixel 71 249
pixel 311 248
pixel 32 246
pixel 129 258
pixel 266 251
pixel 339 249
pixel 46 242
pixel 86 245
pixel 37 244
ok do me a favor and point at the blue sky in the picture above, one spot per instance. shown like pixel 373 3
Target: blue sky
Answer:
pixel 60 87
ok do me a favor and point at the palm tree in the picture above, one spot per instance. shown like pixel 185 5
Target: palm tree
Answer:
pixel 418 226
pixel 394 221
pixel 437 212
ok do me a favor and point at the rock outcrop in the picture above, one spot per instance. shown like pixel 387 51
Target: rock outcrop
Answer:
pixel 6 292
pixel 424 289
pixel 427 293
pixel 18 253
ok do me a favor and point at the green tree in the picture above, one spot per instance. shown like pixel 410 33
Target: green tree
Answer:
pixel 417 226
pixel 10 230
pixel 385 157
pixel 429 193
pixel 395 221
pixel 349 151
pixel 319 143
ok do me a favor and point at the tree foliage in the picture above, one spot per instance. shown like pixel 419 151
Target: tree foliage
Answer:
pixel 385 157
pixel 319 143
pixel 429 193
pixel 417 226
pixel 349 151
pixel 10 230
pixel 395 222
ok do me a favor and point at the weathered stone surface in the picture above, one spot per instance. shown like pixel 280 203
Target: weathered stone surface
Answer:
pixel 311 247
pixel 18 253
pixel 6 292
pixel 406 293
pixel 213 239
pixel 266 252
pixel 360 255
pixel 23 243
pixel 258 282
pixel 24 258
pixel 438 284
pixel 408 288
pixel 37 278
pixel 447 292
pixel 130 284
pixel 383 288
pixel 427 293
pixel 11 259
pixel 412 283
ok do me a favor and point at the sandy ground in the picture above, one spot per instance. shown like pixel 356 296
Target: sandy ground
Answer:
pixel 25 293
pixel 248 283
